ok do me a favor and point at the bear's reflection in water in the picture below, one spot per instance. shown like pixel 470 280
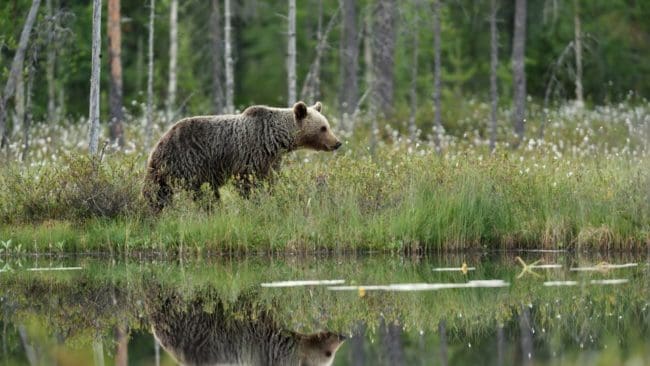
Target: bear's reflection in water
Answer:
pixel 202 331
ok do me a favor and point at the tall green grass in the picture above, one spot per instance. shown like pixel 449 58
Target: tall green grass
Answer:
pixel 397 201
pixel 585 186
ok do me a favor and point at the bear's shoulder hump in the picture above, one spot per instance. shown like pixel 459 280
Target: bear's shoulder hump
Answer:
pixel 256 111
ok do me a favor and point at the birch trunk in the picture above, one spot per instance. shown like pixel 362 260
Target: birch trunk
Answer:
pixel 19 100
pixel 494 64
pixel 230 77
pixel 98 352
pixel 16 67
pixel 149 126
pixel 518 69
pixel 173 55
pixel 93 115
pixel 291 54
pixel 27 122
pixel 115 61
pixel 156 347
pixel 349 93
pixel 437 121
pixel 578 52
pixel 49 65
pixel 217 60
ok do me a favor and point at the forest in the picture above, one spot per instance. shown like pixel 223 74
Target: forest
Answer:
pixel 491 99
pixel 484 198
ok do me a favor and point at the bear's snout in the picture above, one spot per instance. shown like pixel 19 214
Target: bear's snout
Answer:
pixel 337 145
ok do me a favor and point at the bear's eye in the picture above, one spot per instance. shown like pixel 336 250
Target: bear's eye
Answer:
pixel 323 129
pixel 328 354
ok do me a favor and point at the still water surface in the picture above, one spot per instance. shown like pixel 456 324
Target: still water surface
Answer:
pixel 472 309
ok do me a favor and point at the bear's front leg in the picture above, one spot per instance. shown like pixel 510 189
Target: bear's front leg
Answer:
pixel 199 195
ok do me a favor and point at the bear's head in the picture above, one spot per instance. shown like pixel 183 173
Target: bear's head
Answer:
pixel 318 349
pixel 314 130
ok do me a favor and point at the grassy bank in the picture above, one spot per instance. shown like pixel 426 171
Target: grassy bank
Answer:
pixel 587 186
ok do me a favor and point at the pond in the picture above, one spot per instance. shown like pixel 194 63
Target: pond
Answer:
pixel 503 308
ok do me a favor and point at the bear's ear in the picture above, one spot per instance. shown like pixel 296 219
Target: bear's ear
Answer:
pixel 318 106
pixel 300 110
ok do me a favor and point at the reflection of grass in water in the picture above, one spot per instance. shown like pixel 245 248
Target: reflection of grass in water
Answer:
pixel 79 305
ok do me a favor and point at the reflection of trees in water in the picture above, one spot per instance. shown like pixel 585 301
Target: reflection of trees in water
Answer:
pixel 526 336
pixel 80 309
pixel 357 345
pixel 391 340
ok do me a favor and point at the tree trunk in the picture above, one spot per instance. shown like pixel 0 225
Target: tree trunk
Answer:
pixel 315 85
pixel 357 343
pixel 93 115
pixel 122 345
pixel 500 345
pixel 550 86
pixel 383 55
pixel 370 79
pixel 230 77
pixel 392 346
pixel 149 126
pixel 27 122
pixel 526 336
pixel 494 64
pixel 30 349
pixel 49 65
pixel 578 52
pixel 156 345
pixel 413 92
pixel 139 65
pixel 16 67
pixel 115 62
pixel 442 333
pixel 437 122
pixel 98 352
pixel 291 54
pixel 349 93
pixel 518 69
pixel 19 101
pixel 217 64
pixel 311 85
pixel 173 54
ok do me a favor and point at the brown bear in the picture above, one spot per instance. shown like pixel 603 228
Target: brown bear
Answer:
pixel 248 146
pixel 205 331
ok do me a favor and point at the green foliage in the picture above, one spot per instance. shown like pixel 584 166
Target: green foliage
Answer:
pixel 615 41
pixel 78 187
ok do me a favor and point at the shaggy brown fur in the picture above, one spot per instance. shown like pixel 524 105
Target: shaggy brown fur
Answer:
pixel 250 145
pixel 194 335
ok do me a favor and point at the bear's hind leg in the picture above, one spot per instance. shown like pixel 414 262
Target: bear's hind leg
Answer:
pixel 244 184
pixel 159 195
